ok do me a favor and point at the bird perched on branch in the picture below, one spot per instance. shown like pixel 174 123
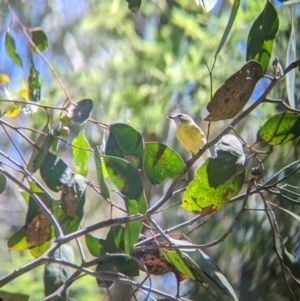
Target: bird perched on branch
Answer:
pixel 189 134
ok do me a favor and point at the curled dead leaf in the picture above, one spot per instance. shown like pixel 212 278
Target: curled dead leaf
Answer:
pixel 231 97
pixel 38 230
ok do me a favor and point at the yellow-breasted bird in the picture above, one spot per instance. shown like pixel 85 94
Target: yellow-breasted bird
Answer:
pixel 189 134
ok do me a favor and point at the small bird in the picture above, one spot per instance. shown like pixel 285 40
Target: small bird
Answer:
pixel 189 134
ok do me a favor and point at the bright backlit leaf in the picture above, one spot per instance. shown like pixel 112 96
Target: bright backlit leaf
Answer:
pixel 280 128
pixel 4 79
pixel 202 197
pixel 81 153
pixel 10 47
pixel 161 162
pixel 18 241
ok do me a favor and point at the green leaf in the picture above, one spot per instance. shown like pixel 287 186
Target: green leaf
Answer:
pixel 93 244
pixel 104 189
pixel 81 152
pixel 38 156
pixel 262 35
pixel 53 171
pixel 107 267
pixel 82 111
pixel 42 140
pixel 209 267
pixel 125 142
pixel 128 267
pixel 205 271
pixel 202 197
pixel 127 179
pixel 286 171
pixel 177 258
pixel 291 263
pixel 3 182
pixel 40 39
pixel 229 162
pixel 8 296
pixel 38 251
pixel 34 85
pixel 18 241
pixel 55 275
pixel 115 239
pixel 234 10
pixel 134 5
pixel 295 216
pixel 291 76
pixel 132 230
pixel 161 162
pixel 280 128
pixel 114 265
pixel 114 242
pixel 55 144
pixel 10 47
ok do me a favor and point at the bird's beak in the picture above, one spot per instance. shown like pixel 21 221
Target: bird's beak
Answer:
pixel 171 117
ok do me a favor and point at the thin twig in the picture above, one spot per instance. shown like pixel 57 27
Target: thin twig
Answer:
pixel 28 267
pixel 282 103
pixel 34 104
pixel 25 32
pixel 106 276
pixel 201 224
pixel 13 143
pixel 29 175
pixel 242 210
pixel 19 132
pixel 275 231
pixel 39 202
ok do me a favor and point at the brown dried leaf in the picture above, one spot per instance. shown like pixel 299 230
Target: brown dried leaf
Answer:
pixel 69 200
pixel 152 261
pixel 38 230
pixel 278 72
pixel 230 98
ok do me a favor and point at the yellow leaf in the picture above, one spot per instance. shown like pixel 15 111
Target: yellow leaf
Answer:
pixel 24 94
pixel 14 111
pixel 4 79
